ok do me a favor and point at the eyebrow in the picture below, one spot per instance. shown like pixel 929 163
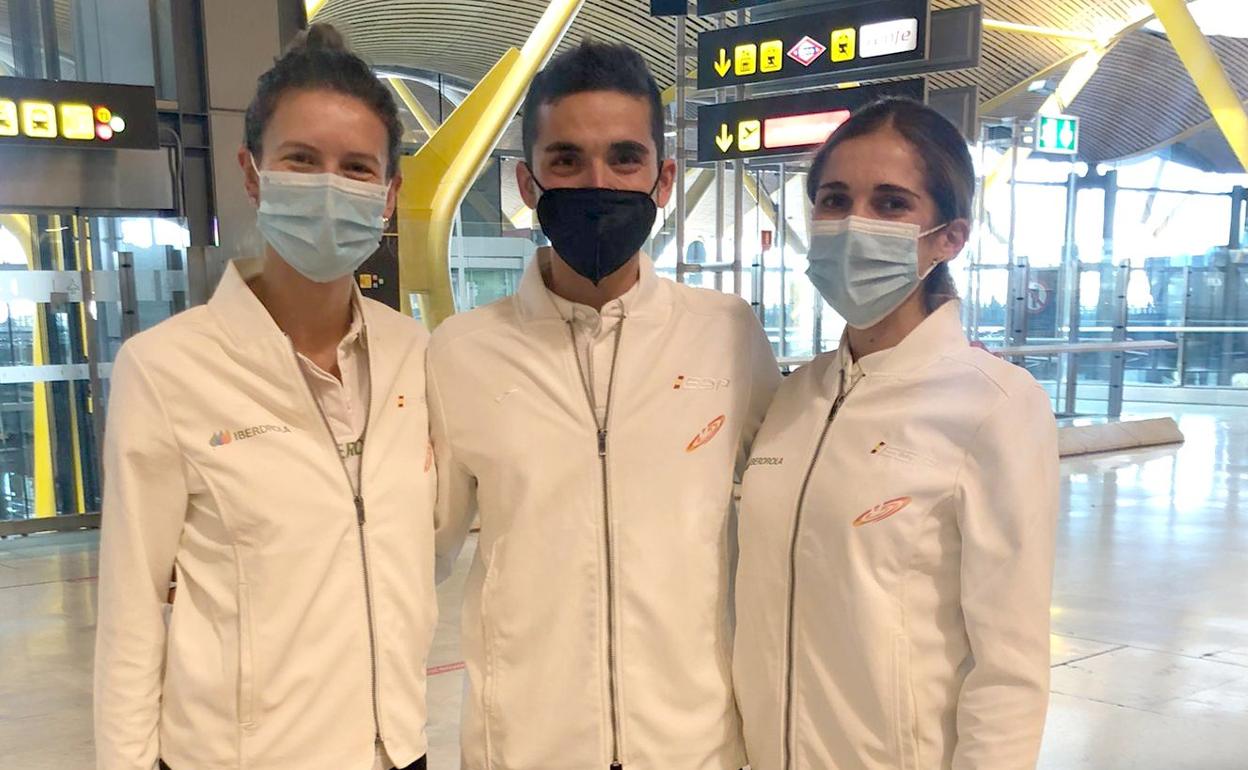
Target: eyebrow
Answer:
pixel 896 190
pixel 295 145
pixel 885 188
pixel 363 157
pixel 563 147
pixel 629 145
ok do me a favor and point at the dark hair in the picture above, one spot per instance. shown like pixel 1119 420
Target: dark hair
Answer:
pixel 948 169
pixel 318 58
pixel 592 66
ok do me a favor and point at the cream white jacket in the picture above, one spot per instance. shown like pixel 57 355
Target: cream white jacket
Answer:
pixel 897 541
pixel 303 615
pixel 597 612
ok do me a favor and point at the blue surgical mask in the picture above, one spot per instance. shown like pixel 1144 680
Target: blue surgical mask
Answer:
pixel 323 225
pixel 865 268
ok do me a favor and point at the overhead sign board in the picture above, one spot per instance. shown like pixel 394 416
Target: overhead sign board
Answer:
pixel 851 41
pixel 786 125
pixel 1058 134
pixel 51 113
pixel 709 7
pixel 669 7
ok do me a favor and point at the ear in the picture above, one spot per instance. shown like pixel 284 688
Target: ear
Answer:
pixel 251 180
pixel 667 183
pixel 392 195
pixel 528 188
pixel 953 239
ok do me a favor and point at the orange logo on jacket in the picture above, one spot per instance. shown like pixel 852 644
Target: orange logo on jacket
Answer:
pixel 708 433
pixel 882 511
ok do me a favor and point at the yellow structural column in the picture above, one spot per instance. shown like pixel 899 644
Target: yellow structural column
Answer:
pixel 437 177
pixel 1206 70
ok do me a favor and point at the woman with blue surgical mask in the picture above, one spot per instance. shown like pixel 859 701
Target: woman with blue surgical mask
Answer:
pixel 898 514
pixel 270 450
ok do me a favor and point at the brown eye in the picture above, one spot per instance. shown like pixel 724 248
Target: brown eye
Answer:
pixel 835 202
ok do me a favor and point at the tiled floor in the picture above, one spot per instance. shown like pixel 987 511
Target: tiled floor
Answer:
pixel 1150 615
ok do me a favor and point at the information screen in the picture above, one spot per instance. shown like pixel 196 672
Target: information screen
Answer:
pixel 67 114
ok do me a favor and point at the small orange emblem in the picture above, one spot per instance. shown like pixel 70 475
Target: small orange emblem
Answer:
pixel 708 433
pixel 882 511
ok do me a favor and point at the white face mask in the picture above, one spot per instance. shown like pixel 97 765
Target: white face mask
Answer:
pixel 323 225
pixel 865 268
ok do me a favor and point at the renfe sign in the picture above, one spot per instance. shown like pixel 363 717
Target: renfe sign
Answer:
pixel 54 113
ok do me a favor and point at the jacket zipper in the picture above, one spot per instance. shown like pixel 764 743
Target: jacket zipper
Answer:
pixel 361 518
pixel 790 643
pixel 602 425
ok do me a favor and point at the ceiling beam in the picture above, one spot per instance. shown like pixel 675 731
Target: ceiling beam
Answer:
pixel 1049 32
pixel 1206 69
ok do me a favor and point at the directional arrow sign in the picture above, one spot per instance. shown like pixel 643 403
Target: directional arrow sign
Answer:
pixel 786 125
pixel 854 39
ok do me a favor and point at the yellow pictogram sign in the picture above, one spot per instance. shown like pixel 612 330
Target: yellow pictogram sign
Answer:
pixel 8 117
pixel 750 135
pixel 39 120
pixel 771 56
pixel 844 44
pixel 725 140
pixel 723 64
pixel 77 121
pixel 746 59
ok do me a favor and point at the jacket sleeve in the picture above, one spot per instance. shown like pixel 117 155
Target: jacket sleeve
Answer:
pixel 457 488
pixel 1009 486
pixel 145 502
pixel 764 380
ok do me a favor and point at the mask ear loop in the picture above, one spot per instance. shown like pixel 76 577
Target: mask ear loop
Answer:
pixel 936 263
pixel 533 176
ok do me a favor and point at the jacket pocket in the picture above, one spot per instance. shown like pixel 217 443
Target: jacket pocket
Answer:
pixel 246 663
pixel 904 711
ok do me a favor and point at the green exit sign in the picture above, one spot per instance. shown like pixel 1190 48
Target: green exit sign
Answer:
pixel 1057 134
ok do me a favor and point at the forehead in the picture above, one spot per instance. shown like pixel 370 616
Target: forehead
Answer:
pixel 595 120
pixel 881 157
pixel 330 121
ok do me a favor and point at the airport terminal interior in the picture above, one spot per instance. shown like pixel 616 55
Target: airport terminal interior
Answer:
pixel 1107 258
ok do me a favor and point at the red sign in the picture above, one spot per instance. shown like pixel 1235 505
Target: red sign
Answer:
pixel 807 51
pixel 802 130
pixel 766 238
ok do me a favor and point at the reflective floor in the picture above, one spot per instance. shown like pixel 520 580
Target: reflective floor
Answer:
pixel 1150 615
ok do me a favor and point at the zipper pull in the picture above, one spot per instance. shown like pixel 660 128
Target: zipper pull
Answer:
pixel 602 451
pixel 359 509
pixel 616 766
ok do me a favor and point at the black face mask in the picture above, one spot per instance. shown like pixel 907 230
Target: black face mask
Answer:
pixel 596 231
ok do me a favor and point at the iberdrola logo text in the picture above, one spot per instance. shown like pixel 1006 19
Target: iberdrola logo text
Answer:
pixel 221 438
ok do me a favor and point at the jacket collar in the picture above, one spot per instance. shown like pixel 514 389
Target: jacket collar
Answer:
pixel 537 303
pixel 939 334
pixel 238 310
pixel 254 333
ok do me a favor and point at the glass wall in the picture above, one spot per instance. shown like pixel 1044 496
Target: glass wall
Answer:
pixel 101 41
pixel 66 283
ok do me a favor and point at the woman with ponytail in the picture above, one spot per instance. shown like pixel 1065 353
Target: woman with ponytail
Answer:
pixel 270 451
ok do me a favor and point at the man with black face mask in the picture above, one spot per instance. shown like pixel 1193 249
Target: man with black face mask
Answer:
pixel 596 422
